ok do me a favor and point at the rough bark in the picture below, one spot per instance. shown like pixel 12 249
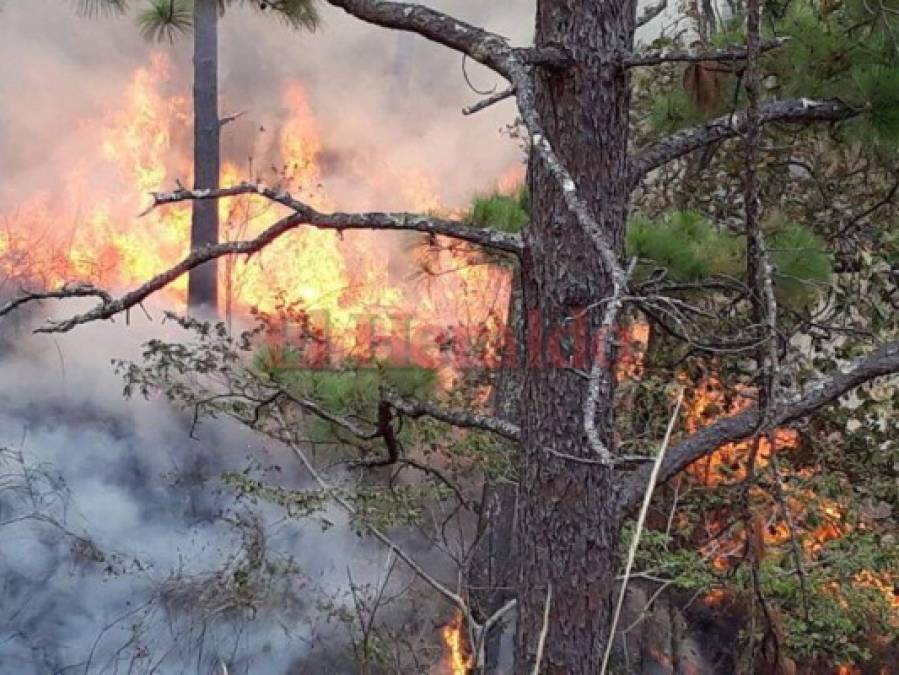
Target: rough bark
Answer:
pixel 204 230
pixel 568 530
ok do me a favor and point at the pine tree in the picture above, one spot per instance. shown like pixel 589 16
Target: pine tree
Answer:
pixel 166 20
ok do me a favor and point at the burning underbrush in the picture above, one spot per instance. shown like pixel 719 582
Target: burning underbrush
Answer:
pixel 781 543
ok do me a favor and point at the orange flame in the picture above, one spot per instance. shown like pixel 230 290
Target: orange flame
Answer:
pixel 365 285
pixel 457 661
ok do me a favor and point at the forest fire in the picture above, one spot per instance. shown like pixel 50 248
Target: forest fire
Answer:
pixel 359 287
pixel 372 298
pixel 781 521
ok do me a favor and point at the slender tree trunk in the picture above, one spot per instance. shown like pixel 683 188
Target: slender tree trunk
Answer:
pixel 567 526
pixel 494 564
pixel 203 281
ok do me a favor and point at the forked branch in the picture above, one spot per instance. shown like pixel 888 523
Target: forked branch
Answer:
pixel 303 215
pixel 341 222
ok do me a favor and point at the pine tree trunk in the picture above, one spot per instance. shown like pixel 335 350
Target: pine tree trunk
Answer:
pixel 494 561
pixel 204 230
pixel 567 524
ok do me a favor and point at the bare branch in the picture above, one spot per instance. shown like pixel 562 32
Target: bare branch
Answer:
pixel 385 431
pixel 544 630
pixel 317 410
pixel 600 371
pixel 74 290
pixel 483 46
pixel 638 529
pixel 654 57
pixel 457 418
pixel 684 142
pixel 111 307
pixel 883 361
pixel 225 121
pixel 489 101
pixel 304 215
pixel 453 598
pixel 409 222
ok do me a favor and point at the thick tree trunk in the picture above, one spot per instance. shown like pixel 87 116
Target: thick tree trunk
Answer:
pixel 567 527
pixel 203 281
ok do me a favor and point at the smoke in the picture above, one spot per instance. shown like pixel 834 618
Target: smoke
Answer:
pixel 386 102
pixel 121 550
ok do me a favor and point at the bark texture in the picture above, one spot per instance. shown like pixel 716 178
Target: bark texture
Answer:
pixel 568 529
pixel 204 230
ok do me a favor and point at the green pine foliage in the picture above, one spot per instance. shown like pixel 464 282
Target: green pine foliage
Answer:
pixel 847 53
pixel 506 213
pixel 691 248
pixel 878 93
pixel 815 60
pixel 673 110
pixel 801 263
pixel 165 20
pixel 686 244
pixel 347 388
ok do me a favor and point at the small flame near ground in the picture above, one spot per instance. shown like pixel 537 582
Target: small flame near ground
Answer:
pixel 708 400
pixel 457 660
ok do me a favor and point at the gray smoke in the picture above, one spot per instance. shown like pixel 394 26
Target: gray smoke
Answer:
pixel 121 550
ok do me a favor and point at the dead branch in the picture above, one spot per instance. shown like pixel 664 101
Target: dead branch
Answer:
pixel 544 631
pixel 453 598
pixel 73 290
pixel 484 47
pixel 794 111
pixel 654 57
pixel 341 222
pixel 489 101
pixel 304 215
pixel 458 418
pixel 638 529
